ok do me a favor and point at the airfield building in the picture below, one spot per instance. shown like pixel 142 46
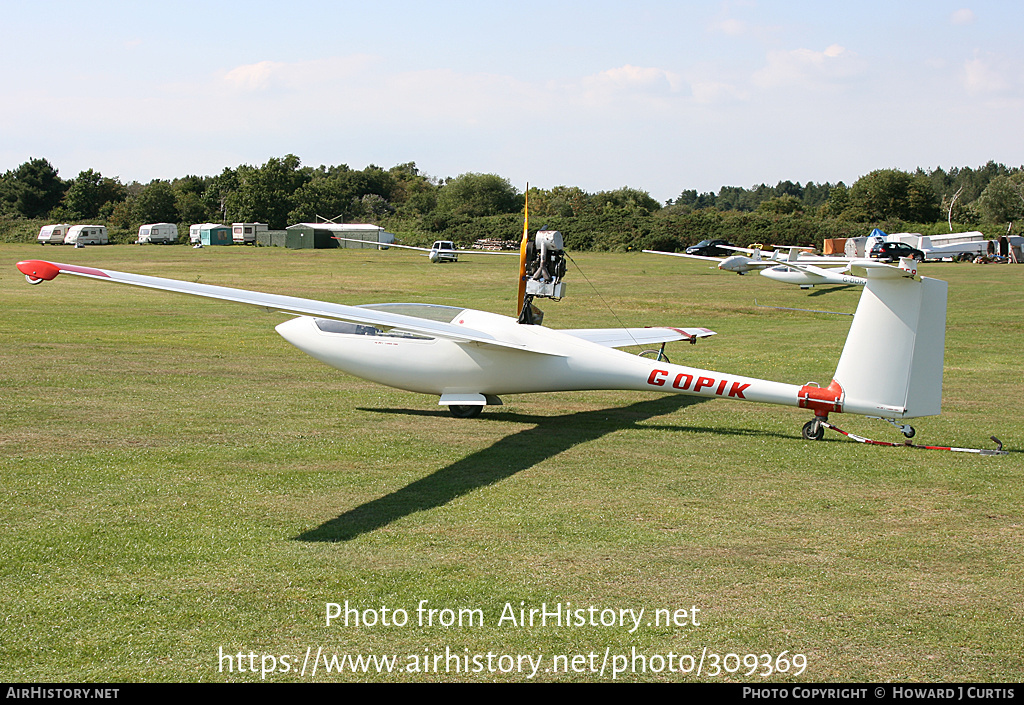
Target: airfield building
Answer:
pixel 322 235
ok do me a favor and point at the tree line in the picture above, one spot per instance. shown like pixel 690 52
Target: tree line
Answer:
pixel 420 208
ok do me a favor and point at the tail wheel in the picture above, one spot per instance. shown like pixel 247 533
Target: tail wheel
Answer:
pixel 465 411
pixel 908 431
pixel 813 430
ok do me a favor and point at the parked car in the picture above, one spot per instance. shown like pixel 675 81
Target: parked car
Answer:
pixel 893 251
pixel 443 251
pixel 710 248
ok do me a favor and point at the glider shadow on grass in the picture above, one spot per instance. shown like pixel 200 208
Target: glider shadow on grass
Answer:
pixel 825 290
pixel 550 436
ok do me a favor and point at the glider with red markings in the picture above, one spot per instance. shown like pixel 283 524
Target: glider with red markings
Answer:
pixel 469 358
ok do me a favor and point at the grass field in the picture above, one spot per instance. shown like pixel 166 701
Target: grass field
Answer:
pixel 182 486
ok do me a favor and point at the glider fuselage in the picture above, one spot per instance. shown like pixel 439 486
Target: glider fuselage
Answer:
pixel 557 362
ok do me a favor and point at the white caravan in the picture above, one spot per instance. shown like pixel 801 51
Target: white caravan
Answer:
pixel 53 234
pixel 86 235
pixel 195 232
pixel 952 246
pixel 165 233
pixel 245 233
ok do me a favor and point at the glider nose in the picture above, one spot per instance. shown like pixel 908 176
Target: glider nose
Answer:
pixel 295 331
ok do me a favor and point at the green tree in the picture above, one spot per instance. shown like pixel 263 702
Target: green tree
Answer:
pixel 217 193
pixel 192 199
pixel 265 194
pixel 156 203
pixel 191 208
pixel 890 194
pixel 334 193
pixel 558 202
pixel 32 190
pixel 694 200
pixel 624 200
pixel 816 195
pixel 781 205
pixel 413 193
pixel 477 195
pixel 123 217
pixel 1003 199
pixel 90 191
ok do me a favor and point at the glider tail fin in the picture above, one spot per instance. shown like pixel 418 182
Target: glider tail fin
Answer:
pixel 891 365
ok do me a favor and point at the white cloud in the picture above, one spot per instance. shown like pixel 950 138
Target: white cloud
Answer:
pixel 712 92
pixel 962 17
pixel 360 94
pixel 806 68
pixel 730 27
pixel 630 77
pixel 303 75
pixel 253 77
pixel 980 76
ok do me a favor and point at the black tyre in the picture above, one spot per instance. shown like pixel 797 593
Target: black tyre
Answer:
pixel 813 430
pixel 465 411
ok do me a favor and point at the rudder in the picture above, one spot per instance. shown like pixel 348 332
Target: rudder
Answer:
pixel 891 365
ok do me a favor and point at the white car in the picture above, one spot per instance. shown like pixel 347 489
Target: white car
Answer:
pixel 443 251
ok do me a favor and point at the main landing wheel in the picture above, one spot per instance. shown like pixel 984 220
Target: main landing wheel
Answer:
pixel 465 411
pixel 813 430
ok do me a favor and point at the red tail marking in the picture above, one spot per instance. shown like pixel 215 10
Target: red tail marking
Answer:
pixel 822 400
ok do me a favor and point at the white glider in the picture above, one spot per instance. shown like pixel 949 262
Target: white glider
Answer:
pixel 793 267
pixel 468 358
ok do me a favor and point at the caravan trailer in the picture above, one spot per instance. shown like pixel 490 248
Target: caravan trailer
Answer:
pixel 53 234
pixel 953 246
pixel 245 233
pixel 165 233
pixel 195 232
pixel 86 235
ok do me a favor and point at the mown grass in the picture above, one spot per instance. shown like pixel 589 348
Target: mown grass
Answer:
pixel 178 479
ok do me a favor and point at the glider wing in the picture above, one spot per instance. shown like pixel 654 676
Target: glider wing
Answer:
pixel 37 271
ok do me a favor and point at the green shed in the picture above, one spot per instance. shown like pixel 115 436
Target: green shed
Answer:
pixel 322 235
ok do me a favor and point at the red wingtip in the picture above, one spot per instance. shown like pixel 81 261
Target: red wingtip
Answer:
pixel 38 269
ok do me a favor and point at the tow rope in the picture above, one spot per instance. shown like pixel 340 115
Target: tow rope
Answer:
pixel 908 444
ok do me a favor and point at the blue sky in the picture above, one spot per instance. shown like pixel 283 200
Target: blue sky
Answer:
pixel 661 96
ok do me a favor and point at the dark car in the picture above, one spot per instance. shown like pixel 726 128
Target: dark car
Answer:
pixel 892 251
pixel 710 248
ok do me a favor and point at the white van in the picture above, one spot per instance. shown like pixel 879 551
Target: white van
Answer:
pixel 53 234
pixel 158 232
pixel 86 235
